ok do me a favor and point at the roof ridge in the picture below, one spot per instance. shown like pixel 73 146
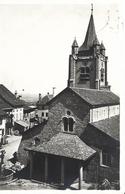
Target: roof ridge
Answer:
pixel 91 89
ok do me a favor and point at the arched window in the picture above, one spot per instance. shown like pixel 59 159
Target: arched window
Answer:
pixel 68 122
pixel 71 123
pixel 65 123
pixel 84 73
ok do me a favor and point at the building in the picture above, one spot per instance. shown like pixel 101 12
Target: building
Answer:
pixel 30 119
pixel 12 107
pixel 88 63
pixel 80 140
pixel 42 108
pixel 2 126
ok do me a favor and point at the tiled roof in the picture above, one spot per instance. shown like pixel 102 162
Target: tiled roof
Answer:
pixel 97 97
pixel 22 123
pixel 90 35
pixel 9 97
pixel 4 105
pixel 2 113
pixel 109 126
pixel 45 99
pixel 67 145
pixel 28 109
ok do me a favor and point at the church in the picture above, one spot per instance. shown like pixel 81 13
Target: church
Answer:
pixel 79 142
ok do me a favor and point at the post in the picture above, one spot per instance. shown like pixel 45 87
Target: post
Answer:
pixel 31 164
pixel 80 175
pixel 46 168
pixel 62 171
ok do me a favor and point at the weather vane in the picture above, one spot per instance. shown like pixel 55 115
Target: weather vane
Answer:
pixel 91 8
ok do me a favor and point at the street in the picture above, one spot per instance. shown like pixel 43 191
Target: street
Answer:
pixel 11 147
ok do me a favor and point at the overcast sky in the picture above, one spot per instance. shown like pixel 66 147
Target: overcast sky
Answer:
pixel 35 42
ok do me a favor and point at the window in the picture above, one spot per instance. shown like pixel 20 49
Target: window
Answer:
pixel 84 73
pixel 65 122
pixel 95 114
pixel 42 114
pixel 68 122
pixel 102 74
pixel 105 159
pixel 46 114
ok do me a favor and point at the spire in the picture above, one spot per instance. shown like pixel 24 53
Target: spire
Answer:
pixel 75 47
pixel 75 44
pixel 90 34
pixel 102 47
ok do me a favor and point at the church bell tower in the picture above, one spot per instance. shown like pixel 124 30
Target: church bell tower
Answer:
pixel 88 63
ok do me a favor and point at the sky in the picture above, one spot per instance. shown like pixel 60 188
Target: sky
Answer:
pixel 36 39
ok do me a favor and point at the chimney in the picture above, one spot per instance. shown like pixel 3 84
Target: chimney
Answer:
pixel 40 97
pixel 48 94
pixel 54 91
pixel 19 97
pixel 15 93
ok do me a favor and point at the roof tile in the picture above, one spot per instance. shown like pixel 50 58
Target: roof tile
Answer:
pixel 67 145
pixel 109 126
pixel 97 97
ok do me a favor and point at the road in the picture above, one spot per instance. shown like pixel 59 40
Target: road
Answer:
pixel 11 147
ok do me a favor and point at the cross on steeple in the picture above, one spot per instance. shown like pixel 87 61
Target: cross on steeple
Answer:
pixel 91 8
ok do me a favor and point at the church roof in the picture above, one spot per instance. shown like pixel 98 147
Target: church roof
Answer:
pixel 97 97
pixel 67 145
pixel 109 126
pixel 90 35
pixel 8 97
pixel 93 97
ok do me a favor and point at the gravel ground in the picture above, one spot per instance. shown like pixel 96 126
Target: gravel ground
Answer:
pixel 23 184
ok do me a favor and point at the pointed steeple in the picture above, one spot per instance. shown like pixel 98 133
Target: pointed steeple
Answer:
pixel 75 44
pixel 90 34
pixel 75 47
pixel 102 47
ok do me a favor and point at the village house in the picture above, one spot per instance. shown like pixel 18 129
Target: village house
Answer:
pixel 2 126
pixel 29 119
pixel 42 109
pixel 80 140
pixel 12 109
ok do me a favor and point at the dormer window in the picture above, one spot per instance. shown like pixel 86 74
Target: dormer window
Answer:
pixel 68 122
pixel 84 73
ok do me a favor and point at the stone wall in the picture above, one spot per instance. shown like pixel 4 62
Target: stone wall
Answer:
pixel 94 171
pixel 67 100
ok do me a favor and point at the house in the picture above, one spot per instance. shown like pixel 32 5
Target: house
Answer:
pixel 2 126
pixel 30 119
pixel 12 107
pixel 42 109
pixel 80 140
